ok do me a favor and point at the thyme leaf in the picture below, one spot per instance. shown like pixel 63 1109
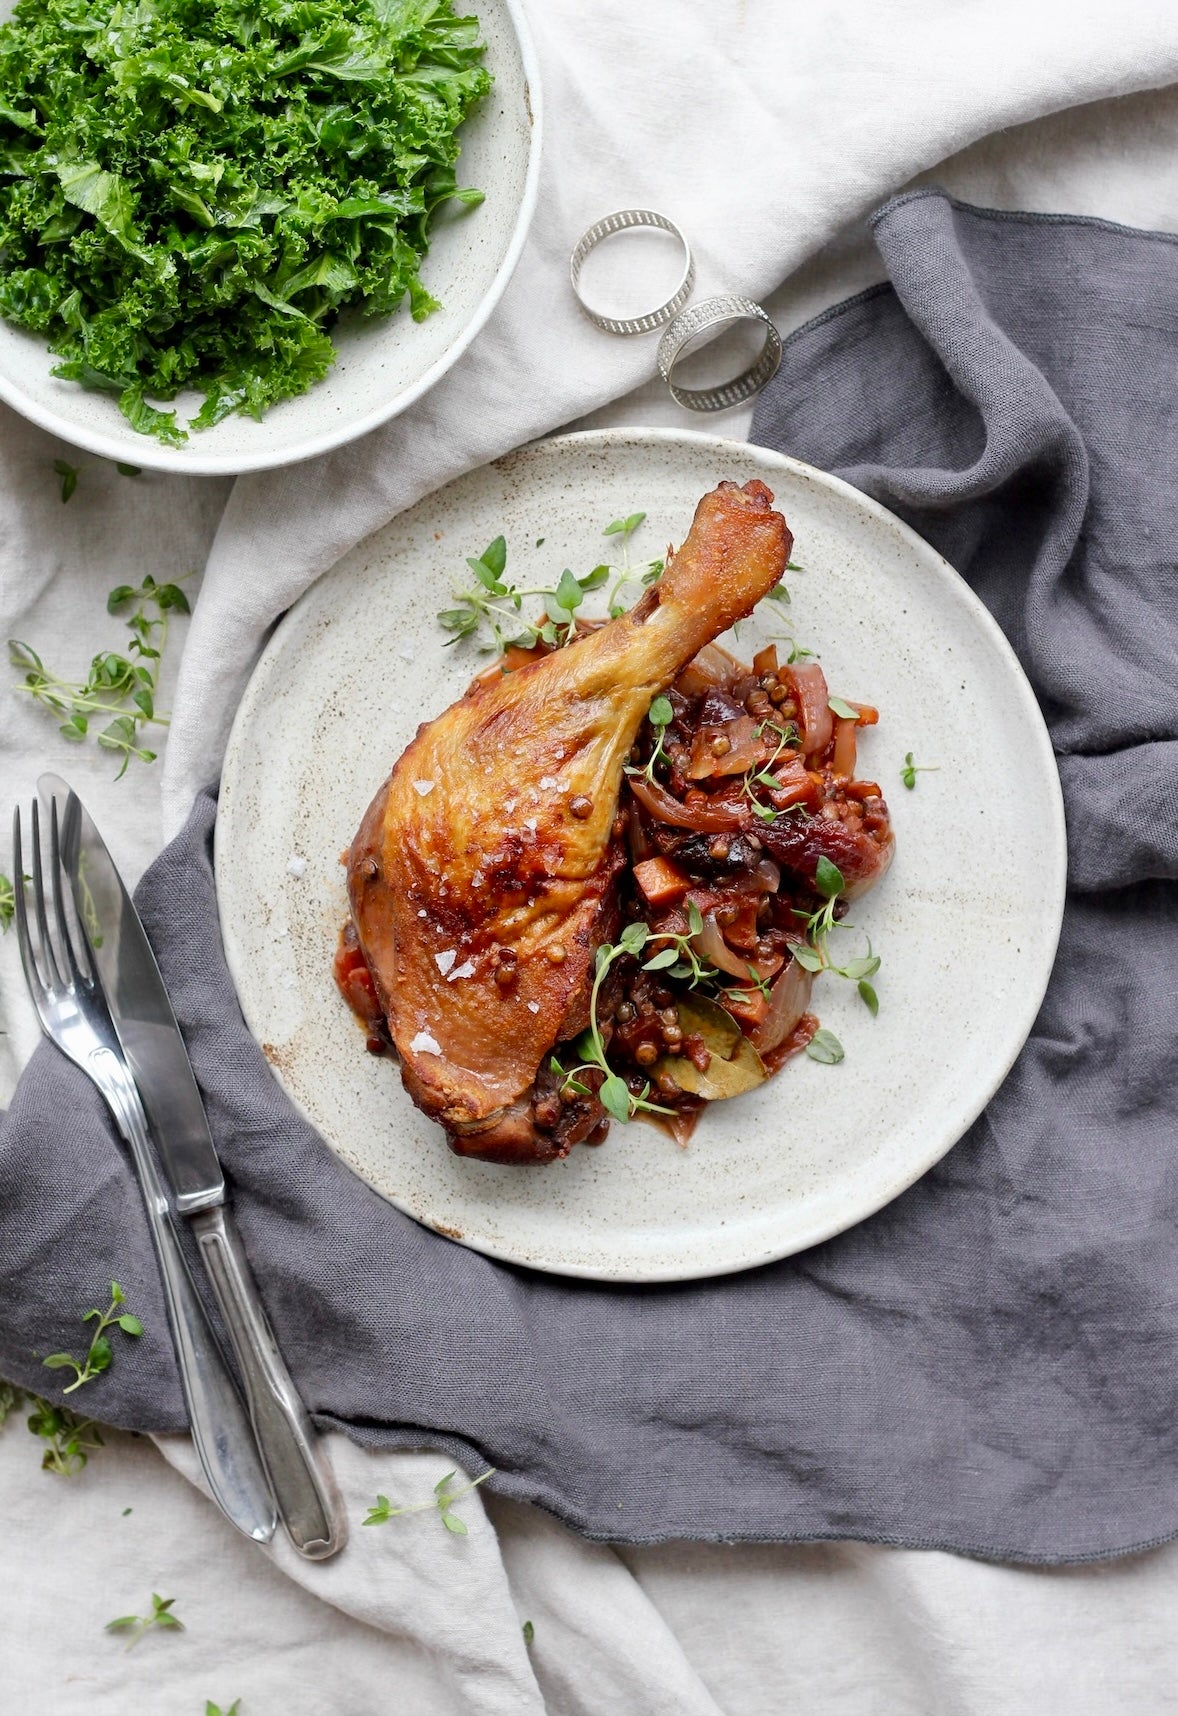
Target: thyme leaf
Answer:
pixel 824 1046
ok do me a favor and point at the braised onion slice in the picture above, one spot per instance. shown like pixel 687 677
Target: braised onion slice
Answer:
pixel 710 818
pixel 728 748
pixel 709 943
pixel 712 666
pixel 788 1000
pixel 769 874
pixel 814 717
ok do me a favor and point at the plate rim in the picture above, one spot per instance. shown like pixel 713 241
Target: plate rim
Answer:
pixel 153 456
pixel 821 1229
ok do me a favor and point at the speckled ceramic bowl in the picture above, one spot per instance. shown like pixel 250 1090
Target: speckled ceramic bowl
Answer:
pixel 384 363
pixel 966 920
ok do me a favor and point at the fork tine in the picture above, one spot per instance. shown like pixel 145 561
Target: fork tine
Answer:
pixel 59 887
pixel 47 953
pixel 27 957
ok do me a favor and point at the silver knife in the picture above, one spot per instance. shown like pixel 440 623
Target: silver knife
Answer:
pixel 308 1501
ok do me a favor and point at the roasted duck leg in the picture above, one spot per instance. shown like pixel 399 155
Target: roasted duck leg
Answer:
pixel 480 878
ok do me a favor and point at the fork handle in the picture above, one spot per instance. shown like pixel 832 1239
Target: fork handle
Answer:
pixel 221 1430
pixel 304 1487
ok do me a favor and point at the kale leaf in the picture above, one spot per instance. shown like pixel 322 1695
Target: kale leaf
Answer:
pixel 191 190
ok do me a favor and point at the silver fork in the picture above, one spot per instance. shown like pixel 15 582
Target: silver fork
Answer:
pixel 74 1015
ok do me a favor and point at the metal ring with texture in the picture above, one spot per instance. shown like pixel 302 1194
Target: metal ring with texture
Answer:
pixel 713 313
pixel 605 228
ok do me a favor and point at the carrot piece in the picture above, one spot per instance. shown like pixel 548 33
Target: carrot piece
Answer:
pixel 795 784
pixel 765 660
pixel 747 1006
pixel 661 880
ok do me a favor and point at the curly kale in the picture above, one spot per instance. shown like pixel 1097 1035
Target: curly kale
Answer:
pixel 191 191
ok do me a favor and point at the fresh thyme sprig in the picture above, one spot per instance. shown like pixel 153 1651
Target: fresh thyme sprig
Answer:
pixel 212 1709
pixel 69 1439
pixel 814 953
pixel 161 1616
pixel 759 986
pixel 492 609
pixel 119 689
pixel 780 594
pixel 7 903
pixel 645 573
pixel 679 958
pixel 496 604
pixel 764 776
pixel 614 1094
pixel 443 1499
pixel 660 715
pixel 910 770
pixel 562 603
pixel 99 1356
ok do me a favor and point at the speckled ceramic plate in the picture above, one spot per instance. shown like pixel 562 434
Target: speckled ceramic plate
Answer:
pixel 385 362
pixel 966 920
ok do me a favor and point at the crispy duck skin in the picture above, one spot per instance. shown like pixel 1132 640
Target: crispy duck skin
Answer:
pixel 491 844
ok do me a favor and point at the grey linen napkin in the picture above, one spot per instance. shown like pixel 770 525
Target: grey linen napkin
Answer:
pixel 987 1365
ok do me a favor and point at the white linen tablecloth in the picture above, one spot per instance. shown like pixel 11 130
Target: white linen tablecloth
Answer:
pixel 768 131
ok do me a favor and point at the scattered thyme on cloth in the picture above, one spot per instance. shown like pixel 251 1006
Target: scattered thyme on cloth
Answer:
pixel 189 193
pixel 989 1364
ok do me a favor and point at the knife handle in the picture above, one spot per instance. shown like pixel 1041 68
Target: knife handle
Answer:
pixel 220 1428
pixel 300 1476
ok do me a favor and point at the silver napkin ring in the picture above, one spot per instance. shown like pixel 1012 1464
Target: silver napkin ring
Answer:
pixel 605 228
pixel 712 313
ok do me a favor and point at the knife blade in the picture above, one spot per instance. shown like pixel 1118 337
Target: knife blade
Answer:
pixel 142 1012
pixel 157 1057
